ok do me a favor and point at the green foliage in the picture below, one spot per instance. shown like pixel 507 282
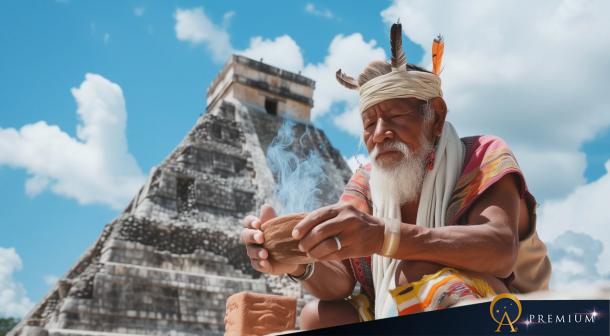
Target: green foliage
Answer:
pixel 6 324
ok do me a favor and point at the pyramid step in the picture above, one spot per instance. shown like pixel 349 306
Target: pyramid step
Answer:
pixel 200 262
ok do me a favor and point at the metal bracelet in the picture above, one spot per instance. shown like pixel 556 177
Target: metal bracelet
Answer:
pixel 309 268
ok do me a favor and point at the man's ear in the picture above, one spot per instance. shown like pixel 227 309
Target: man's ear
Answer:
pixel 439 109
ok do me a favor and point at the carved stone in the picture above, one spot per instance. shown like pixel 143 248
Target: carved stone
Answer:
pixel 259 314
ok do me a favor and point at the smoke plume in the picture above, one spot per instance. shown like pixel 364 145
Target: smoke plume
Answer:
pixel 298 178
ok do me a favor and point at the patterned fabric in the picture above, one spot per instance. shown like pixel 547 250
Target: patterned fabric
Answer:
pixel 487 159
pixel 357 190
pixel 440 290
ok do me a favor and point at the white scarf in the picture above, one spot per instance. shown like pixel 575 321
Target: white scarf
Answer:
pixel 435 195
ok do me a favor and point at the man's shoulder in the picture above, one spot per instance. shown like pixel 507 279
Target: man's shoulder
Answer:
pixel 485 141
pixel 482 148
pixel 487 160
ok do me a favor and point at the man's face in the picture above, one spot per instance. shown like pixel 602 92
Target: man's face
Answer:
pixel 390 125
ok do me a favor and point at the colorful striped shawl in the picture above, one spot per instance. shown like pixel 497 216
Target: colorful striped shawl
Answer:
pixel 487 159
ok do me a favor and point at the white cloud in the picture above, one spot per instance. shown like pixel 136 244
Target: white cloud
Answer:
pixel 50 279
pixel 106 38
pixel 227 18
pixel 36 184
pixel 14 301
pixel 540 84
pixel 567 171
pixel 350 53
pixel 575 258
pixel 193 25
pixel 585 210
pixel 325 13
pixel 349 120
pixel 282 52
pixel 94 167
pixel 139 11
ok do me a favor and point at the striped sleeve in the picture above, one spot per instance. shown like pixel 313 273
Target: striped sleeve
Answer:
pixel 357 191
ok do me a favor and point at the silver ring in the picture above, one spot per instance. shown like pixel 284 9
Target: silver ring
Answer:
pixel 338 243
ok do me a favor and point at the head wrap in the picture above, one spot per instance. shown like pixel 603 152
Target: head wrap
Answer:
pixel 399 83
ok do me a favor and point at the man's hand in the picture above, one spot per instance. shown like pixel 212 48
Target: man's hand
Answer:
pixel 253 238
pixel 360 234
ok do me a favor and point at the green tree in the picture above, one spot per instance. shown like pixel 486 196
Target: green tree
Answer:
pixel 6 324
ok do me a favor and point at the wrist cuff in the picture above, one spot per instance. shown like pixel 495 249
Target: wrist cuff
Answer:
pixel 391 237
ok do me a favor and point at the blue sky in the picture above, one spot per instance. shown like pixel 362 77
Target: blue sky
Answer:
pixel 49 46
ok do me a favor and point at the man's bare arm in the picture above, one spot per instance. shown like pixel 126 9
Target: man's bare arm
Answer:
pixel 331 280
pixel 488 244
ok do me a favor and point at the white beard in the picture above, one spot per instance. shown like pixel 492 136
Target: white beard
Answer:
pixel 401 182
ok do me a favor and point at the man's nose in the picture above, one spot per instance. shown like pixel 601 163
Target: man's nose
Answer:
pixel 382 131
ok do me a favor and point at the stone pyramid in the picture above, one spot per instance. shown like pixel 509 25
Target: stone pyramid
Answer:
pixel 167 263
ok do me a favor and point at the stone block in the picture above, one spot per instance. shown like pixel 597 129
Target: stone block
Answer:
pixel 251 313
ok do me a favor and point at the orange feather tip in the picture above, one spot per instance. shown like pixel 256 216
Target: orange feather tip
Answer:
pixel 438 46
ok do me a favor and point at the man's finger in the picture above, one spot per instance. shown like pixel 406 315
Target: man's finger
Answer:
pixel 266 266
pixel 345 253
pixel 252 236
pixel 312 219
pixel 319 233
pixel 255 252
pixel 249 220
pixel 255 263
pixel 267 213
pixel 326 247
pixel 262 266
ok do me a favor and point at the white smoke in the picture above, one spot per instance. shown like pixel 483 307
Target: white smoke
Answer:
pixel 298 180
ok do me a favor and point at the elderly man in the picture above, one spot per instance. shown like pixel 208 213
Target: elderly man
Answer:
pixel 432 220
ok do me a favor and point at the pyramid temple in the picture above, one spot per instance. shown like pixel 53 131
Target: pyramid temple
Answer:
pixel 168 262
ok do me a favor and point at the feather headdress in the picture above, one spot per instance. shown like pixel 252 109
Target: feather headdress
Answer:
pixel 399 59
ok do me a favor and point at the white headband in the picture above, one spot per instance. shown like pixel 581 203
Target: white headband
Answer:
pixel 400 84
